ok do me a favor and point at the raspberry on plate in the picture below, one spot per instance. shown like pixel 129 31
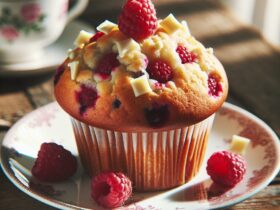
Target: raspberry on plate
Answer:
pixel 54 163
pixel 186 55
pixel 160 71
pixel 110 189
pixel 138 19
pixel 226 168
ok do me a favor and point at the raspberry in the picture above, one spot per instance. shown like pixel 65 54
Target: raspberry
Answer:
pixel 110 190
pixel 160 71
pixel 157 115
pixel 54 163
pixel 138 19
pixel 214 85
pixel 96 36
pixel 186 55
pixel 86 97
pixel 107 64
pixel 226 168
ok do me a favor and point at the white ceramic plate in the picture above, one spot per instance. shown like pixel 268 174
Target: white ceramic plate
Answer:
pixel 50 123
pixel 52 57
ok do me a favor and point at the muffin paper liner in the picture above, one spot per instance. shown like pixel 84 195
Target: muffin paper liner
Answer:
pixel 152 160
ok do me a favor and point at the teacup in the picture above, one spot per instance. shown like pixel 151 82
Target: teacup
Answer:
pixel 27 26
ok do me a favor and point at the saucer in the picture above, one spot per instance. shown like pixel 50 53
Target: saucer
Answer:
pixel 49 123
pixel 53 55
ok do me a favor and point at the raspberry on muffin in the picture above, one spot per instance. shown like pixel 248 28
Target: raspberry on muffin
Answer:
pixel 138 19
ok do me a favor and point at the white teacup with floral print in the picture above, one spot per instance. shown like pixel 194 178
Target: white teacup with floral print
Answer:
pixel 27 26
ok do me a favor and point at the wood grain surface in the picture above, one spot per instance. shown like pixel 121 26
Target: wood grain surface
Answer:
pixel 252 65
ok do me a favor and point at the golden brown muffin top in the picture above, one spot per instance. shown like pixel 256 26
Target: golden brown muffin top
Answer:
pixel 165 81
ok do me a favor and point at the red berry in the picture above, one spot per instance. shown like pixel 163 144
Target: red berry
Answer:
pixel 54 163
pixel 157 115
pixel 86 97
pixel 107 64
pixel 160 71
pixel 138 19
pixel 96 36
pixel 186 55
pixel 110 190
pixel 226 168
pixel 214 85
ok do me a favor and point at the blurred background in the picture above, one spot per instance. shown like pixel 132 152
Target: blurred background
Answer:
pixel 263 14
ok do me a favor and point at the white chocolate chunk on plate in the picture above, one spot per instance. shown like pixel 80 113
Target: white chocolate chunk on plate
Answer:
pixel 140 85
pixel 74 69
pixel 106 27
pixel 82 38
pixel 170 24
pixel 239 144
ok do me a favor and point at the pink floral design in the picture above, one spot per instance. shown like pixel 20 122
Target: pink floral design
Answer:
pixel 139 207
pixel 44 117
pixel 30 12
pixel 10 33
pixel 258 176
pixel 45 189
pixel 64 9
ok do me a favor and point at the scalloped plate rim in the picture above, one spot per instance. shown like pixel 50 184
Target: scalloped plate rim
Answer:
pixel 63 205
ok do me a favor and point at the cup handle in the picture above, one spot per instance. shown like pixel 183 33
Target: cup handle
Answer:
pixel 76 9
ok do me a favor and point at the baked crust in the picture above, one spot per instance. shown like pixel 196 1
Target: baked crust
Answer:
pixel 186 97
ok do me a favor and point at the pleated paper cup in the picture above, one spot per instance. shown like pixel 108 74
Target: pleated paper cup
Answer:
pixel 152 160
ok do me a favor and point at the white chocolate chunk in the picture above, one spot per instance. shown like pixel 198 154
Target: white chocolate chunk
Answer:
pixel 194 66
pixel 170 24
pixel 70 54
pixel 185 27
pixel 171 84
pixel 106 27
pixel 140 85
pixel 74 69
pixel 210 50
pixel 239 144
pixel 82 38
pixel 127 45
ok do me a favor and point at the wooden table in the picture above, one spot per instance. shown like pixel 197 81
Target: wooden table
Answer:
pixel 252 65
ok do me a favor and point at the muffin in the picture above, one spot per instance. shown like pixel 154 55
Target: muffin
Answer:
pixel 141 101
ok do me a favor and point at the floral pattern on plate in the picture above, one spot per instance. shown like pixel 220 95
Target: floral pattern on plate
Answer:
pixel 50 123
